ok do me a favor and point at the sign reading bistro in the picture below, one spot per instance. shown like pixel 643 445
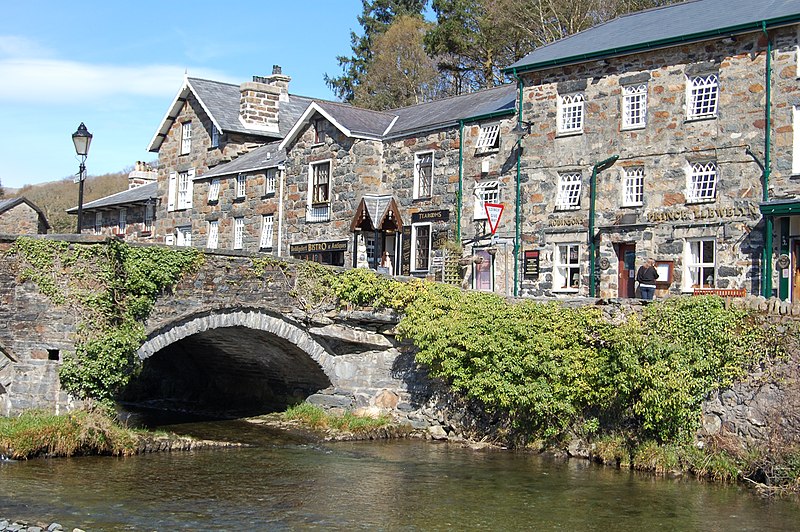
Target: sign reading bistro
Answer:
pixel 318 247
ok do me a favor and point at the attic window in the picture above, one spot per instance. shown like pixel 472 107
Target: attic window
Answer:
pixel 319 131
pixel 489 139
pixel 186 138
pixel 214 136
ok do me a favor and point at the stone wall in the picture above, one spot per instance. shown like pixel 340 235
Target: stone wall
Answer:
pixel 664 148
pixel 21 220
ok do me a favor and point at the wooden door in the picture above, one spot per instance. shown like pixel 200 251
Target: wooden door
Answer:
pixel 626 268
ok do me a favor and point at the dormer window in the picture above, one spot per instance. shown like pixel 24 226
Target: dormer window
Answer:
pixel 186 138
pixel 489 139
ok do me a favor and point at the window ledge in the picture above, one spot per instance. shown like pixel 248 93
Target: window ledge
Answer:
pixel 268 248
pixel 492 151
pixel 567 209
pixel 704 118
pixel 633 128
pixel 317 144
pixel 268 195
pixel 239 199
pixel 563 134
pixel 213 202
pixel 421 199
pixel 700 201
pixel 632 205
pixel 566 290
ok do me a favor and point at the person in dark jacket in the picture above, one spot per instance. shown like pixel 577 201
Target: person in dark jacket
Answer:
pixel 647 276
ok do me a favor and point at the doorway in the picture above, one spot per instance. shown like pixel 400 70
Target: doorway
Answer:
pixel 626 268
pixel 795 270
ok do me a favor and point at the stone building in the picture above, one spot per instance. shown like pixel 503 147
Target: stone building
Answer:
pixel 19 216
pixel 650 132
pixel 665 110
pixel 128 214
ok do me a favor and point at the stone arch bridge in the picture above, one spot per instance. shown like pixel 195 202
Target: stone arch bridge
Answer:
pixel 224 340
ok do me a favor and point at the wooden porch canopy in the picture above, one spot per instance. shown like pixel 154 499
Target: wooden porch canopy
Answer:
pixel 377 213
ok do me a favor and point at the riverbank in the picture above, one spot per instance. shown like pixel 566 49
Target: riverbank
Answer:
pixel 86 432
pixel 7 525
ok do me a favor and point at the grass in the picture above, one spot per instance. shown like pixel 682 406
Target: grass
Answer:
pixel 316 418
pixel 80 432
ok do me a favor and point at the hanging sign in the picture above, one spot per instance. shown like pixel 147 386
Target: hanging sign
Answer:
pixel 493 212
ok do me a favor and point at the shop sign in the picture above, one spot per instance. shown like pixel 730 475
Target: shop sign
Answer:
pixel 405 252
pixel 318 247
pixel 565 222
pixel 530 270
pixel 431 216
pixel 680 214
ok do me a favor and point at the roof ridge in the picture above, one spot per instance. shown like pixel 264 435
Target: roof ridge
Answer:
pixel 453 97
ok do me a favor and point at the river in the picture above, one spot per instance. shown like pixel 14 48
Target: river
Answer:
pixel 283 482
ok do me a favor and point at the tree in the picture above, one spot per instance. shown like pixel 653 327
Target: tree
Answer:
pixel 474 40
pixel 400 73
pixel 376 17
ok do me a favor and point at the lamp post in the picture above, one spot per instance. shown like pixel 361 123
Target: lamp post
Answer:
pixel 596 169
pixel 82 139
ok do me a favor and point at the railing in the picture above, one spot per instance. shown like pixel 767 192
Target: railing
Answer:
pixel 722 292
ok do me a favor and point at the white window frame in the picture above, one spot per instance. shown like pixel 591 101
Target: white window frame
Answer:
pixel 122 220
pixel 270 180
pixel 213 189
pixel 565 269
pixel 423 190
pixel 568 195
pixel 238 233
pixel 186 138
pixel 98 222
pixel 634 106
pixel 702 96
pixel 214 136
pixel 695 268
pixel 485 192
pixel 796 140
pixel 633 186
pixel 701 182
pixel 267 231
pixel 571 112
pixel 415 228
pixel 180 190
pixel 183 236
pixel 488 139
pixel 212 241
pixel 241 186
pixel 318 207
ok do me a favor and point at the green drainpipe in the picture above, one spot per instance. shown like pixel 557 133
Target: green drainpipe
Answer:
pixel 517 245
pixel 460 178
pixel 768 222
pixel 605 164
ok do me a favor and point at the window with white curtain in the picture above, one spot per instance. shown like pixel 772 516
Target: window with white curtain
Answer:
pixel 700 270
pixel 566 267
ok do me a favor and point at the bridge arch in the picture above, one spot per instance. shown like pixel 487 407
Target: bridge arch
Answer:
pixel 231 359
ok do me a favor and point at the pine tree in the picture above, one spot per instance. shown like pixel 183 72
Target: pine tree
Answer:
pixel 376 17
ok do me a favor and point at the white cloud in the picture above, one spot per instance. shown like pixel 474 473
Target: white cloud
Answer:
pixel 30 75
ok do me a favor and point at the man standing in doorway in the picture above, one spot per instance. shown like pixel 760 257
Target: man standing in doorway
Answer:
pixel 647 276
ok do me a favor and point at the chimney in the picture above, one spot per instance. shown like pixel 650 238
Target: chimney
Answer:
pixel 260 100
pixel 142 174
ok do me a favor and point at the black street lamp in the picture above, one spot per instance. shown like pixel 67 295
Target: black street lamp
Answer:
pixel 82 139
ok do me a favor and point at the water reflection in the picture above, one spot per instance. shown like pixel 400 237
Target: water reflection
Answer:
pixel 286 483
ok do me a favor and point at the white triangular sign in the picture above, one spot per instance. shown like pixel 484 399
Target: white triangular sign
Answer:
pixel 493 212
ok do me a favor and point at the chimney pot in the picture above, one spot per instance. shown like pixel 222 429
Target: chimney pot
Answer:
pixel 276 69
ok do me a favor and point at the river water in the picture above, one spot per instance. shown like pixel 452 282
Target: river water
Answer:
pixel 283 482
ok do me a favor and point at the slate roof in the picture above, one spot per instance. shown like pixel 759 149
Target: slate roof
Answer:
pixel 266 156
pixel 131 196
pixel 8 204
pixel 360 122
pixel 221 101
pixel 448 111
pixel 659 27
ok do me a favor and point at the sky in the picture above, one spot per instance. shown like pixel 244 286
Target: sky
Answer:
pixel 117 65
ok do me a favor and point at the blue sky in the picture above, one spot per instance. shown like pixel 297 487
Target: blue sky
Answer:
pixel 116 66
